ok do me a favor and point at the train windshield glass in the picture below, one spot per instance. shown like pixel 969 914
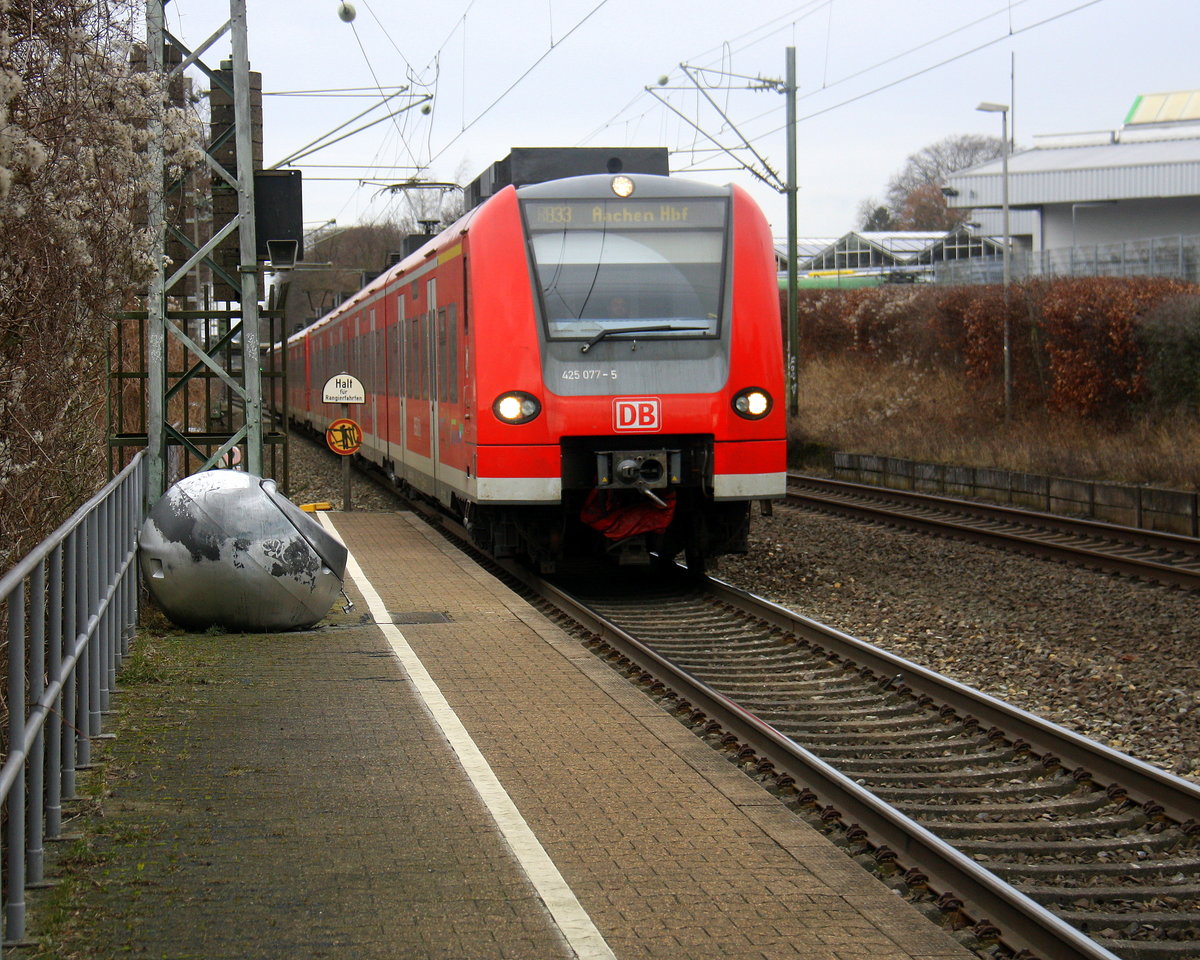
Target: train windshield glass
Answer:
pixel 651 267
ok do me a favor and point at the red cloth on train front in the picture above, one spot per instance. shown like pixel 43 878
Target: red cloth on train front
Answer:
pixel 614 515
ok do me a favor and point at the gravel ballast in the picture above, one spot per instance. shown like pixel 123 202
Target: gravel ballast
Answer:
pixel 1111 658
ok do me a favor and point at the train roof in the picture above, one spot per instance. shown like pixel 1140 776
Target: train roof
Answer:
pixel 398 269
pixel 588 186
pixel 600 185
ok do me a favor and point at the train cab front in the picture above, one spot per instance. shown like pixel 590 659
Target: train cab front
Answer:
pixel 659 336
pixel 637 501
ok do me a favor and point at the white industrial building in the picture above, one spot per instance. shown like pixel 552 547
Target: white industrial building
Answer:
pixel 1117 201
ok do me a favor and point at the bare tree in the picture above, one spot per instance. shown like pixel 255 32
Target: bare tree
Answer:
pixel 359 253
pixel 914 197
pixel 874 216
pixel 925 208
pixel 354 254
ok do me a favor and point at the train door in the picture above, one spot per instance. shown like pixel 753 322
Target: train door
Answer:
pixel 452 451
pixel 396 385
pixel 415 434
pixel 431 382
pixel 374 365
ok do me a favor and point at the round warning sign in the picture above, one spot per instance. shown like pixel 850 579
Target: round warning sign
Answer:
pixel 344 437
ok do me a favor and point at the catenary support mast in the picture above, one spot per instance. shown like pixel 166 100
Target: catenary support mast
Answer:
pixel 164 427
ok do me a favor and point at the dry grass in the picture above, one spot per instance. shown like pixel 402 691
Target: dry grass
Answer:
pixel 863 405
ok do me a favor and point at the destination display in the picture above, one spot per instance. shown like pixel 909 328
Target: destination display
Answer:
pixel 625 214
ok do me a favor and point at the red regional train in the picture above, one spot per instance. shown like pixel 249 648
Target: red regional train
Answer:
pixel 579 367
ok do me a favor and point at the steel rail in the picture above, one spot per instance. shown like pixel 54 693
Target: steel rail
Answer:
pixel 1179 798
pixel 1025 923
pixel 1136 536
pixel 844 498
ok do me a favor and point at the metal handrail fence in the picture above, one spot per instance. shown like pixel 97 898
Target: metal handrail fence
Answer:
pixel 71 608
pixel 1170 256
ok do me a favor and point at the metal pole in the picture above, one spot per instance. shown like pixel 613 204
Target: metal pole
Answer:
pixel 793 323
pixel 54 641
pixel 247 244
pixel 14 913
pixel 156 360
pixel 35 762
pixel 71 567
pixel 1007 269
pixel 95 553
pixel 83 675
pixel 346 506
pixel 104 631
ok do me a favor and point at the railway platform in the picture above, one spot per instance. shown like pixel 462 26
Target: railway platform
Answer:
pixel 443 773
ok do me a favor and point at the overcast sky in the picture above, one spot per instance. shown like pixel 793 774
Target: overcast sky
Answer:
pixel 878 80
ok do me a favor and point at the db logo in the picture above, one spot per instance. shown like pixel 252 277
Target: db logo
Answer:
pixel 636 413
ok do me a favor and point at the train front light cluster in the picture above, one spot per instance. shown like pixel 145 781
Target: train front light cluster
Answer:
pixel 516 406
pixel 753 403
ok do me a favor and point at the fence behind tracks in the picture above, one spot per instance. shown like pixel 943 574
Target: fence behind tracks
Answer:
pixel 1150 508
pixel 69 610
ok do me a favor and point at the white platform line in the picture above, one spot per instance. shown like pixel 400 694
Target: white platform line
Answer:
pixel 565 909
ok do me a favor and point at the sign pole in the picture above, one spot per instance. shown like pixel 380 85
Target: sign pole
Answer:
pixel 344 436
pixel 346 506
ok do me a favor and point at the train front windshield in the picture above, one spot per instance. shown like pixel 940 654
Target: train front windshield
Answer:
pixel 650 267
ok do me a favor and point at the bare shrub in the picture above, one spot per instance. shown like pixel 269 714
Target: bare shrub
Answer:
pixel 1073 342
pixel 863 404
pixel 1085 353
pixel 1169 338
pixel 74 177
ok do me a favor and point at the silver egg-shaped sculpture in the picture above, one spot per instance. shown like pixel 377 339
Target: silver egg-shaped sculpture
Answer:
pixel 226 549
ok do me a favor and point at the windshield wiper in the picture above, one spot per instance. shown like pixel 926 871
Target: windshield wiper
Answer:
pixel 657 328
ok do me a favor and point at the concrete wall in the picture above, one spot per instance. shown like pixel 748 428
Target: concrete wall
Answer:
pixel 1149 508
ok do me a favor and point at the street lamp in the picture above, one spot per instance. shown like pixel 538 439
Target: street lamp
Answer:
pixel 1002 109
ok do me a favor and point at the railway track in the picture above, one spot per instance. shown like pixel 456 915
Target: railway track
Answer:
pixel 1032 840
pixel 1163 557
pixel 1029 835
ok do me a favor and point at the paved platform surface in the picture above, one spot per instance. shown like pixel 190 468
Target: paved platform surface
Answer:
pixel 309 795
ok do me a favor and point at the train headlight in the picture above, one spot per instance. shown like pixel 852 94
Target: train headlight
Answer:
pixel 622 187
pixel 753 403
pixel 516 406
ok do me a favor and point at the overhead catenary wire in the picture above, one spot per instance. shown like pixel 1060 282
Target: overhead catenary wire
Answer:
pixel 323 141
pixel 790 18
pixel 427 144
pixel 774 26
pixel 512 86
pixel 379 86
pixel 333 92
pixel 959 56
pixel 826 85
